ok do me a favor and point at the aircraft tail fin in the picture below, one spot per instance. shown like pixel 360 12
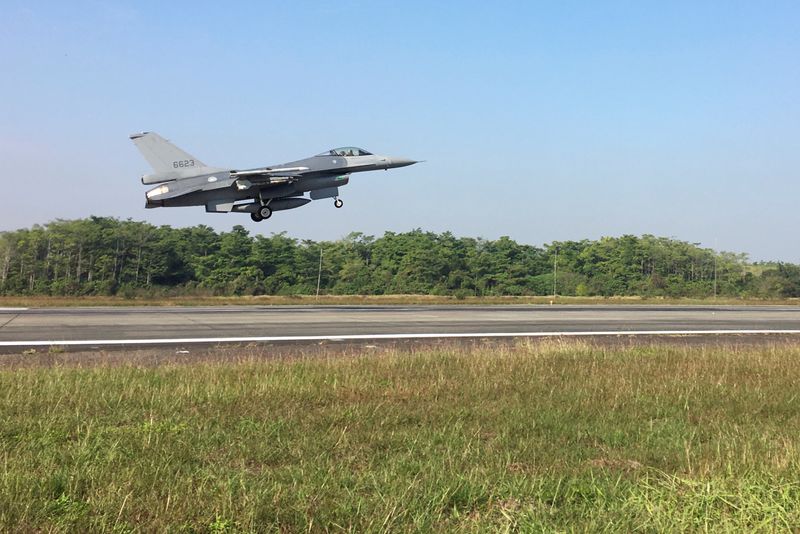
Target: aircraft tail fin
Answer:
pixel 164 157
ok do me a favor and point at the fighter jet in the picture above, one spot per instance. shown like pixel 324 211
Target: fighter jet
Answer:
pixel 186 181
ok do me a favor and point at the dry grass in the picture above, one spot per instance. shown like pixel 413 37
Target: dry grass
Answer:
pixel 532 437
pixel 377 300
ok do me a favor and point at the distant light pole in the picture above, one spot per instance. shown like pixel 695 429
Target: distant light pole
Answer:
pixel 555 272
pixel 319 272
pixel 715 268
pixel 715 275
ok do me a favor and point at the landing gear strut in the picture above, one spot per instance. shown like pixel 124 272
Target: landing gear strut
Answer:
pixel 263 212
pixel 338 203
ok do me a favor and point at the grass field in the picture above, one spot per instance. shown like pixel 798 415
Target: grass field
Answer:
pixel 377 300
pixel 532 437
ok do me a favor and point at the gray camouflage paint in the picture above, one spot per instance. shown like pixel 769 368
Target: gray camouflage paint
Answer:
pixel 186 181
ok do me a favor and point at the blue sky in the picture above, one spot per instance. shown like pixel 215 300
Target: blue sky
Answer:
pixel 541 121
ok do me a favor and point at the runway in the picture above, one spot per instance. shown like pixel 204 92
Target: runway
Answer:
pixel 139 326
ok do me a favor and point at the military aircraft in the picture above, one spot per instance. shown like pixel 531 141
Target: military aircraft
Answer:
pixel 186 181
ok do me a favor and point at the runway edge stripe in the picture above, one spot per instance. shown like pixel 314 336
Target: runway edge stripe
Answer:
pixel 361 337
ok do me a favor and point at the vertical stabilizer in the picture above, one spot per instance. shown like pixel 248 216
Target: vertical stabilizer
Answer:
pixel 164 157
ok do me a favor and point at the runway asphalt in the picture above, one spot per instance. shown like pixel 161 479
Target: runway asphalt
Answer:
pixel 132 326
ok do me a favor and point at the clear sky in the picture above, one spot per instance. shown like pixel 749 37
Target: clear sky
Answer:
pixel 538 120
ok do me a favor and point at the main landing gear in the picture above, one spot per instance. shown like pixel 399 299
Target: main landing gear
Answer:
pixel 263 212
pixel 338 202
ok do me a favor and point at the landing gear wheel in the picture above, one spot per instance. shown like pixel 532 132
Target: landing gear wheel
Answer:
pixel 338 203
pixel 264 212
pixel 256 217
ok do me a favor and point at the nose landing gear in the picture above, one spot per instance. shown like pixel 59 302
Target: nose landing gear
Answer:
pixel 338 202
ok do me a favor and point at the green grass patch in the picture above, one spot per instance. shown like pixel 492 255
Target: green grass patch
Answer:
pixel 566 437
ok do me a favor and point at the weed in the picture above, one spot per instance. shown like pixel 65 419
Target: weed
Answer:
pixel 535 437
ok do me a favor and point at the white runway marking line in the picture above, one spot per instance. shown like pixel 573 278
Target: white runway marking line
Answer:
pixel 360 337
pixel 12 309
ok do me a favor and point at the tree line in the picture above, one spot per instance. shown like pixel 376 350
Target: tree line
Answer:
pixel 108 256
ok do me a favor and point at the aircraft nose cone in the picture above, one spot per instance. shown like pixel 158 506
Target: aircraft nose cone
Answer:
pixel 400 162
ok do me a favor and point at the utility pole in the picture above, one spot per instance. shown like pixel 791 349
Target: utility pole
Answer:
pixel 319 272
pixel 715 269
pixel 555 272
pixel 715 275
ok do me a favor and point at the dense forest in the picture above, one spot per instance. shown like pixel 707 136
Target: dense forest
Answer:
pixel 107 256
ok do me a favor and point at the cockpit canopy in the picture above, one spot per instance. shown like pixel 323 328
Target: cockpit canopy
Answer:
pixel 346 151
